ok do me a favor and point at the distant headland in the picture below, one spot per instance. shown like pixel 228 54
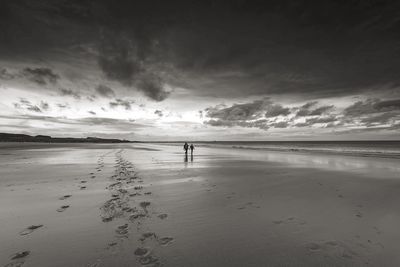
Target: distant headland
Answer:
pixel 8 137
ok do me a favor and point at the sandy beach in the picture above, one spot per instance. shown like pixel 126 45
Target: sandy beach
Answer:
pixel 146 205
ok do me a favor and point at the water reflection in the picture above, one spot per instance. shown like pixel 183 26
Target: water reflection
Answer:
pixel 372 166
pixel 185 160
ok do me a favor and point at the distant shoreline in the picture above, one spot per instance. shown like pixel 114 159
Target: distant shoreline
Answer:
pixel 23 138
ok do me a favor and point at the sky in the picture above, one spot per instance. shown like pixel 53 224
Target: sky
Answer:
pixel 201 70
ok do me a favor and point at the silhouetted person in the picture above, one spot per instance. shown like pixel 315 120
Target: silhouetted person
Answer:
pixel 186 147
pixel 191 149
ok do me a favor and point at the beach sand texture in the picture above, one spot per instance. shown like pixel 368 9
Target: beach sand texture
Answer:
pixel 146 205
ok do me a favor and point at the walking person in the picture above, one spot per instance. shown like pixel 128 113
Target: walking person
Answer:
pixel 186 147
pixel 191 149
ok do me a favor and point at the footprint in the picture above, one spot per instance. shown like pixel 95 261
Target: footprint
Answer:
pixel 30 229
pixel 331 243
pixel 147 193
pixel 147 236
pixel 277 222
pixel 122 229
pixel 162 216
pixel 149 260
pixel 63 208
pixel 107 219
pixel 313 247
pixel 83 182
pixel 65 197
pixel 165 241
pixel 141 252
pixel 83 187
pixel 21 255
pixel 144 204
pixel 359 214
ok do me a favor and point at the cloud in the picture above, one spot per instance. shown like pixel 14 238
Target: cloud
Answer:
pixel 379 119
pixel 6 75
pixel 26 104
pixel 92 112
pixel 40 76
pixel 245 53
pixel 306 110
pixel 152 86
pixel 281 124
pixel 276 110
pixel 44 105
pixel 251 115
pixel 34 108
pixel 261 124
pixel 62 106
pixel 159 113
pixel 127 104
pixel 118 58
pixel 105 91
pixel 70 92
pixel 370 106
pixel 238 112
pixel 123 59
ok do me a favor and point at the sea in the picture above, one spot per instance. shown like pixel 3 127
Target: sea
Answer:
pixel 383 149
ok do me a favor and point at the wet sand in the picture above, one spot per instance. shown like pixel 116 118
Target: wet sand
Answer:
pixel 145 205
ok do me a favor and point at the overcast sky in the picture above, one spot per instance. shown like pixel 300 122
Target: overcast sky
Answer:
pixel 201 70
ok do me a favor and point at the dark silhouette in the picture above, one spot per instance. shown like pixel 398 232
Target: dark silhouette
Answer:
pixel 191 149
pixel 186 147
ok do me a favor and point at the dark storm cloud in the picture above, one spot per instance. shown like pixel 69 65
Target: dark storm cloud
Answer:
pixel 220 48
pixel 105 91
pixel 152 86
pixel 124 59
pixel 118 59
pixel 41 76
pixel 127 104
